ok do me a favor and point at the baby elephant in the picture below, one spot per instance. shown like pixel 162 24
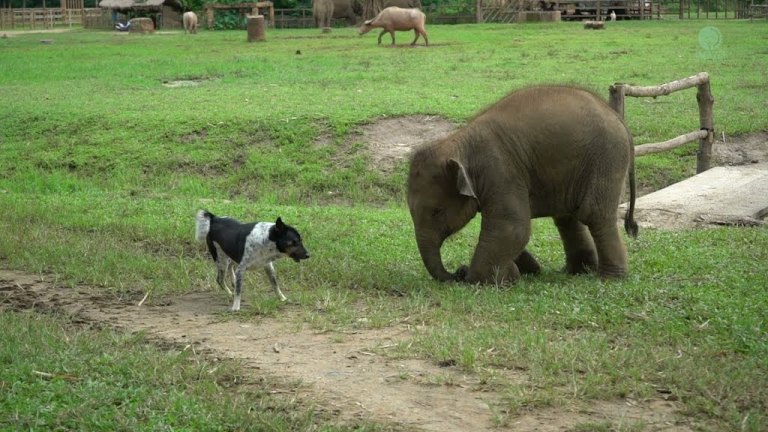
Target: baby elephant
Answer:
pixel 190 22
pixel 547 151
pixel 394 19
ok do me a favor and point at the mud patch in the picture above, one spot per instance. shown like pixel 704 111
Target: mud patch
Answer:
pixel 391 140
pixel 348 374
pixel 740 150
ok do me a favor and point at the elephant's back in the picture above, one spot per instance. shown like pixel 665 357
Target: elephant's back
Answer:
pixel 545 113
pixel 550 102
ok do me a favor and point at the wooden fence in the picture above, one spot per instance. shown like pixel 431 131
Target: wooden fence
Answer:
pixel 712 9
pixel 44 18
pixel 706 132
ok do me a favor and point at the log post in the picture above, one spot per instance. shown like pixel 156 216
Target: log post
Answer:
pixel 706 101
pixel 256 30
pixel 616 98
pixel 210 16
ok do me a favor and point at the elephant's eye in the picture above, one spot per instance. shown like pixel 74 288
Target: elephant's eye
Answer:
pixel 436 212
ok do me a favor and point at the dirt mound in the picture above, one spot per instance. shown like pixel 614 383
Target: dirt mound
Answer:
pixel 347 374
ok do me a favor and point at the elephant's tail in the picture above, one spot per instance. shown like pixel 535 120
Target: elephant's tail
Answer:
pixel 629 217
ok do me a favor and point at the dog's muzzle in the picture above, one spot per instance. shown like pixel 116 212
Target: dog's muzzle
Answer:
pixel 298 254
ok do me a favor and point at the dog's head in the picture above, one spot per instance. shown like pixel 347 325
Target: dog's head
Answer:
pixel 288 241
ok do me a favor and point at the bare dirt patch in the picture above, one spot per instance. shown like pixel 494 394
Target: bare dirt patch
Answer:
pixel 740 150
pixel 344 373
pixel 391 140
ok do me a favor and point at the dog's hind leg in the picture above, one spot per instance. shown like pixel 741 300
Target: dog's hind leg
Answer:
pixel 223 264
pixel 269 269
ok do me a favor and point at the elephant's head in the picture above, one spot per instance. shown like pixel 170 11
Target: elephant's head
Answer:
pixel 442 200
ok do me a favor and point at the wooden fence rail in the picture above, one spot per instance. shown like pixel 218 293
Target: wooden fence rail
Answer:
pixel 706 132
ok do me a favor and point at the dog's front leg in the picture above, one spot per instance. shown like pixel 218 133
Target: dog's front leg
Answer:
pixel 239 273
pixel 269 269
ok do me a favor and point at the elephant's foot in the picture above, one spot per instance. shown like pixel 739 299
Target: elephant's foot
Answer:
pixel 581 262
pixel 495 277
pixel 527 264
pixel 612 271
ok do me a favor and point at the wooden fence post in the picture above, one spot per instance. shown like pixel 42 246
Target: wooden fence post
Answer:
pixel 705 134
pixel 706 101
pixel 616 99
pixel 209 16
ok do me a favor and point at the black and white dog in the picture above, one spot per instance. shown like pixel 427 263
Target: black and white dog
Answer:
pixel 247 244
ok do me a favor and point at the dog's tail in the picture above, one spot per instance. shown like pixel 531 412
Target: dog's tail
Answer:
pixel 203 224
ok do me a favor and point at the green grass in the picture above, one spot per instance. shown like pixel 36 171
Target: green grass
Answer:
pixel 65 377
pixel 102 168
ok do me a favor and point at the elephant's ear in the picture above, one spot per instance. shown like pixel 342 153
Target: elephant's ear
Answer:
pixel 463 182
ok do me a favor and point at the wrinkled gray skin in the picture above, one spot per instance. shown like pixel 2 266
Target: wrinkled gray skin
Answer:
pixel 322 10
pixel 543 151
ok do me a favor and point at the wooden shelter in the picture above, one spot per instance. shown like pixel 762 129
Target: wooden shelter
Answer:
pixel 166 14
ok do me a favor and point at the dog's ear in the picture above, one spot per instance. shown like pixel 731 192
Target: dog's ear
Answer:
pixel 279 223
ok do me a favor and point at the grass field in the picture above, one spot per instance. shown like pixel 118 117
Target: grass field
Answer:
pixel 103 164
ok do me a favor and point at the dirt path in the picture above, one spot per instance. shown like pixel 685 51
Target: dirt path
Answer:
pixel 340 371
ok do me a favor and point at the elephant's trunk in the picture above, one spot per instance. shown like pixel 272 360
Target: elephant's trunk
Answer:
pixel 429 248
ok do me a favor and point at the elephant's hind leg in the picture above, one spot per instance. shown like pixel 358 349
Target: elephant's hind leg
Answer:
pixel 580 254
pixel 611 253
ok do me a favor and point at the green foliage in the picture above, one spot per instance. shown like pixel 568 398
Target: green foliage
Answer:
pixel 229 20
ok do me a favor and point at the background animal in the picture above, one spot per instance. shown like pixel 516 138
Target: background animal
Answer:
pixel 322 11
pixel 394 19
pixel 189 19
pixel 348 10
pixel 247 244
pixel 543 151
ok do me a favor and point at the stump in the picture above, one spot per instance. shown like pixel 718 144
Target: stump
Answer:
pixel 538 16
pixel 594 25
pixel 325 30
pixel 256 28
pixel 141 25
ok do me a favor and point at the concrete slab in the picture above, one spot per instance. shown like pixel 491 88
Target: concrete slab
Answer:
pixel 726 195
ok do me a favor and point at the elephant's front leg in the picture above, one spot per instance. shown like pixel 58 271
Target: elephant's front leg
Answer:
pixel 501 243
